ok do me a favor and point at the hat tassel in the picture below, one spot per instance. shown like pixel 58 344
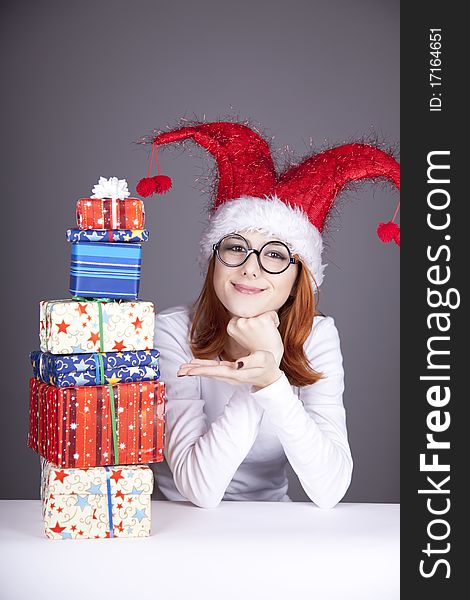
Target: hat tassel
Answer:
pixel 390 231
pixel 159 184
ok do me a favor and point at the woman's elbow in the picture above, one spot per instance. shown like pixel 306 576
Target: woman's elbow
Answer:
pixel 202 499
pixel 328 502
pixel 206 502
pixel 195 489
pixel 333 493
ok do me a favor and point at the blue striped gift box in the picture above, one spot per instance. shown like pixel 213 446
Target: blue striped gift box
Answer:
pixel 105 270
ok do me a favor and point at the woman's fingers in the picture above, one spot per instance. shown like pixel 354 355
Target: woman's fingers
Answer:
pixel 274 316
pixel 259 358
pixel 212 368
pixel 225 373
pixel 203 362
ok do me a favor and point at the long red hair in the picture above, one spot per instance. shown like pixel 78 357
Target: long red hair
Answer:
pixel 209 317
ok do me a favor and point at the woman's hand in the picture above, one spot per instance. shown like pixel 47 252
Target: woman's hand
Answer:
pixel 260 369
pixel 258 333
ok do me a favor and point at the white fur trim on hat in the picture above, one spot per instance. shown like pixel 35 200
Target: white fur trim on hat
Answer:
pixel 272 217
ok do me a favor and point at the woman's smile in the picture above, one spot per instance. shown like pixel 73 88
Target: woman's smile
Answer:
pixel 245 289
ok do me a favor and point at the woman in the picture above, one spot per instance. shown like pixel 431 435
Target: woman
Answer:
pixel 253 372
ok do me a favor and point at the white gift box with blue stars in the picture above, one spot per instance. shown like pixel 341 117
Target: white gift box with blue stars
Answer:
pixel 98 502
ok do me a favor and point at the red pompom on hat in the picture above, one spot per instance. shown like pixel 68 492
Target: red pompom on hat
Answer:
pixel 293 205
pixel 159 184
pixel 162 183
pixel 390 231
pixel 396 237
pixel 146 187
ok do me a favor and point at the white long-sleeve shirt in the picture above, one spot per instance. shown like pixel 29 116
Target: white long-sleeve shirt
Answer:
pixel 224 442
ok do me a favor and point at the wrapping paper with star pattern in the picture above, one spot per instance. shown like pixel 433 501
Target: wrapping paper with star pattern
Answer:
pixel 69 370
pixel 105 213
pixel 72 326
pixel 73 427
pixel 107 235
pixel 76 505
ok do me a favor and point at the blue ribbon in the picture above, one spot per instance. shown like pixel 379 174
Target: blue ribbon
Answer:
pixel 97 365
pixel 110 503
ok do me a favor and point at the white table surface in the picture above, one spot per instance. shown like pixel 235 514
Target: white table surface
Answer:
pixel 242 550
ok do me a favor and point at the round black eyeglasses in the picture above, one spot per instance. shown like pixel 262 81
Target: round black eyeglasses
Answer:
pixel 273 257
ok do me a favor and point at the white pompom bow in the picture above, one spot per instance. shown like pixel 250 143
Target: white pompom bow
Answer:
pixel 113 188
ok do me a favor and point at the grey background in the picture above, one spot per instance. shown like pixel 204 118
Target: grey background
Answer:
pixel 83 81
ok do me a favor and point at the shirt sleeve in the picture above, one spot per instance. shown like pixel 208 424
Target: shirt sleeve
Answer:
pixel 312 426
pixel 202 458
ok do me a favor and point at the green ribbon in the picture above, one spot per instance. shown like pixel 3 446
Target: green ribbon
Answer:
pixel 113 422
pixel 100 313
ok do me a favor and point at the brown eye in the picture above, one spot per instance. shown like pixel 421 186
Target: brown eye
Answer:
pixel 276 255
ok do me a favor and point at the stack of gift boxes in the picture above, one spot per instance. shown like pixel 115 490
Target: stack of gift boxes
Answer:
pixel 96 402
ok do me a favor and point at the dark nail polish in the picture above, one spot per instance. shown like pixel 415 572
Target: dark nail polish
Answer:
pixel 239 364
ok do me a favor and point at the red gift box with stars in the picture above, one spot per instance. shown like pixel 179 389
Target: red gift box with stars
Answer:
pixel 90 426
pixel 107 213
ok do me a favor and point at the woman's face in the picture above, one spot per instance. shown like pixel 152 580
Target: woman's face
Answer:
pixel 228 282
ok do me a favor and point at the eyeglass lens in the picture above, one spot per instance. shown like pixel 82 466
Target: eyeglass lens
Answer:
pixel 274 256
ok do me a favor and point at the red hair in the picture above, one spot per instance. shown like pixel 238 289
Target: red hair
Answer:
pixel 208 336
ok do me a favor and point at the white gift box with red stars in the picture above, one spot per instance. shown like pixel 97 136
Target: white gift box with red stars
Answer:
pixel 75 326
pixel 98 502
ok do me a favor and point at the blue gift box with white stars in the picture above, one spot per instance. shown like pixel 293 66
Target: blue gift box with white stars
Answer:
pixel 95 368
pixel 107 235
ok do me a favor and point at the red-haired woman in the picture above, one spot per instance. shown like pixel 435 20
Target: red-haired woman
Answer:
pixel 253 372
